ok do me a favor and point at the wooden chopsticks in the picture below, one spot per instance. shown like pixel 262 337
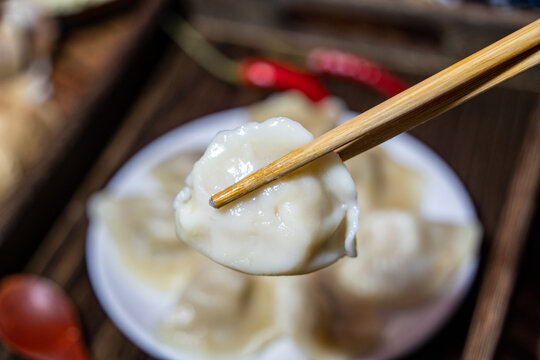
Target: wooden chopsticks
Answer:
pixel 414 106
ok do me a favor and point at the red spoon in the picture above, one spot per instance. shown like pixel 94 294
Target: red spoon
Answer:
pixel 38 320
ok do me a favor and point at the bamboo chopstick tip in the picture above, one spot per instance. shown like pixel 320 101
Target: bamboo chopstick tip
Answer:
pixel 212 204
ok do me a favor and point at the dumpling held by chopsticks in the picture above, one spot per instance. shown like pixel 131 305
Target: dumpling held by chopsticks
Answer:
pixel 297 224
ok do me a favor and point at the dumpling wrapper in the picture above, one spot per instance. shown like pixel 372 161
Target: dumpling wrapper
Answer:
pixel 143 227
pixel 316 117
pixel 403 260
pixel 27 37
pixel 222 313
pixel 326 322
pixel 143 230
pixel 27 123
pixel 383 183
pixel 297 224
pixel 171 173
pixel 338 312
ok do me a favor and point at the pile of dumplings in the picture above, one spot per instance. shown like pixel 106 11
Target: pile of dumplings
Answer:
pixel 335 313
pixel 28 117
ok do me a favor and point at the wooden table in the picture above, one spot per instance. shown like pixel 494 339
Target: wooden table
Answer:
pixel 94 84
pixel 481 140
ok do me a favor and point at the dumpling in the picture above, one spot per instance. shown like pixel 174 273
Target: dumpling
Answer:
pixel 143 226
pixel 403 260
pixel 339 312
pixel 297 224
pixel 222 313
pixel 23 132
pixel 383 183
pixel 317 117
pixel 327 322
pixel 143 230
pixel 26 125
pixel 171 173
pixel 27 37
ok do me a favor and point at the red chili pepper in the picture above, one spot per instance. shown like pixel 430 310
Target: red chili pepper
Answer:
pixel 346 65
pixel 267 74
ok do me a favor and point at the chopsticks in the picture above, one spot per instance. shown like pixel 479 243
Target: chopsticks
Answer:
pixel 412 107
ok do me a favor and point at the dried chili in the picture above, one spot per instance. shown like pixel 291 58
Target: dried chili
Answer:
pixel 268 74
pixel 350 66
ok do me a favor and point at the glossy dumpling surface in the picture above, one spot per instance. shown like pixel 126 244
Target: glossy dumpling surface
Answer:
pixel 316 117
pixel 403 259
pixel 222 313
pixel 383 183
pixel 142 226
pixel 297 224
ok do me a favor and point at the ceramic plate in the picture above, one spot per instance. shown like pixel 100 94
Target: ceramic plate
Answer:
pixel 136 308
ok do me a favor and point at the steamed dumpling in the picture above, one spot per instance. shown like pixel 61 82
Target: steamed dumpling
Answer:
pixel 339 312
pixel 27 123
pixel 403 259
pixel 222 313
pixel 27 37
pixel 171 173
pixel 325 321
pixel 316 117
pixel 143 230
pixel 297 224
pixel 383 183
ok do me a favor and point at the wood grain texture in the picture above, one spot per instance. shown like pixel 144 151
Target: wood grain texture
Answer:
pixel 76 76
pixel 520 338
pixel 412 107
pixel 504 256
pixel 412 37
pixel 93 83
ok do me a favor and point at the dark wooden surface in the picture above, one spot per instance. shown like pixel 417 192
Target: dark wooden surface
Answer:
pixel 505 251
pixel 520 338
pixel 94 84
pixel 408 36
pixel 481 140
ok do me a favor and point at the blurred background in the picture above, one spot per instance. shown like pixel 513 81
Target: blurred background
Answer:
pixel 85 84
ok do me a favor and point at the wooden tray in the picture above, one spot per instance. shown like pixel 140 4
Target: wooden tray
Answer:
pixel 93 83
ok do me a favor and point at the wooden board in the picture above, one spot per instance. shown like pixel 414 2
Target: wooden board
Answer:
pixel 92 83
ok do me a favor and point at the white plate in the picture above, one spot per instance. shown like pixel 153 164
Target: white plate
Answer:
pixel 136 308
